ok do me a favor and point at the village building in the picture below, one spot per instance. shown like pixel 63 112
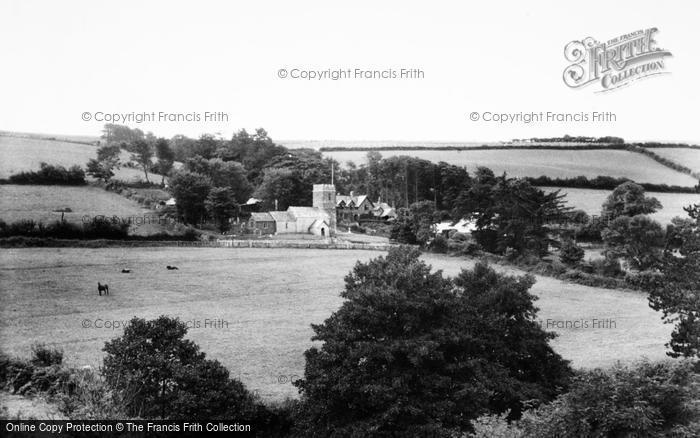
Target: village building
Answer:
pixel 319 219
pixel 351 208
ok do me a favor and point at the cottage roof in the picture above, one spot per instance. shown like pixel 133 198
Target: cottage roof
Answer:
pixel 261 217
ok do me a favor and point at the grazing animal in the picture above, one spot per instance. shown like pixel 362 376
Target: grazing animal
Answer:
pixel 171 268
pixel 102 288
pixel 126 271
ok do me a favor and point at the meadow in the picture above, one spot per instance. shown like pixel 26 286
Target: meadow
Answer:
pixel 556 164
pixel 591 201
pixel 26 154
pixel 689 158
pixel 38 203
pixel 252 308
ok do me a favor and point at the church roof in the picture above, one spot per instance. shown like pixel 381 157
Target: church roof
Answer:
pixel 281 216
pixel 307 212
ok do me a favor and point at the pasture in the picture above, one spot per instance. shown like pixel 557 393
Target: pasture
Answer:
pixel 26 154
pixel 591 202
pixel 555 164
pixel 252 308
pixel 39 202
pixel 689 158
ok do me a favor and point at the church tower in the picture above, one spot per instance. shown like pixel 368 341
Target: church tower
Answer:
pixel 324 199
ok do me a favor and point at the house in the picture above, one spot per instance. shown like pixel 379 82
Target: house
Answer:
pixel 349 208
pixel 320 219
pixel 262 223
pixel 382 210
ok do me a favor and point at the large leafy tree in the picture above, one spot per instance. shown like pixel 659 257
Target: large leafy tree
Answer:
pixel 637 239
pixel 107 160
pixel 162 375
pixel 142 152
pixel 628 199
pixel 412 353
pixel 166 158
pixel 221 206
pixel 676 292
pixel 229 174
pixel 282 187
pixel 414 224
pixel 190 190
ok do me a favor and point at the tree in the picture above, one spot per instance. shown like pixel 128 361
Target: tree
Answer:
pixel 628 199
pixel 570 253
pixel 675 291
pixel 281 188
pixel 107 160
pixel 638 239
pixel 228 174
pixel 166 158
pixel 190 191
pixel 142 152
pixel 221 206
pixel 166 376
pixel 414 225
pixel 411 353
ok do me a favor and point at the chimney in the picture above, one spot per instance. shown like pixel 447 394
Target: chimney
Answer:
pixel 275 204
pixel 352 194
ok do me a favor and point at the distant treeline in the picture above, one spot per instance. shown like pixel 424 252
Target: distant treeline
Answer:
pixel 49 138
pixel 49 175
pixel 632 147
pixel 95 229
pixel 605 183
pixel 643 148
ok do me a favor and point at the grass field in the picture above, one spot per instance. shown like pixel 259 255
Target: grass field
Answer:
pixel 591 201
pixel 25 154
pixel 689 158
pixel 38 202
pixel 268 299
pixel 556 164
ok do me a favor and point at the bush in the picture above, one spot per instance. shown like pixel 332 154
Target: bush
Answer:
pixel 44 356
pixel 439 245
pixel 649 399
pixel 51 175
pixel 570 253
pixel 607 266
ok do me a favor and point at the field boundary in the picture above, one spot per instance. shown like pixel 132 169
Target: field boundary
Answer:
pixel 221 243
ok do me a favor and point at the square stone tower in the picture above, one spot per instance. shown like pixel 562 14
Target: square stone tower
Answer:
pixel 324 199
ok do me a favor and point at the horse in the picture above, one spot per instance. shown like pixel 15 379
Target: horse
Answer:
pixel 101 288
pixel 126 271
pixel 171 268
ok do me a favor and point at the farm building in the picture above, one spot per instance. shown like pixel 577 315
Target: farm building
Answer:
pixel 320 219
pixel 382 210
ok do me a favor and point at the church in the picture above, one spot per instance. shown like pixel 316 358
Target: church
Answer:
pixel 319 219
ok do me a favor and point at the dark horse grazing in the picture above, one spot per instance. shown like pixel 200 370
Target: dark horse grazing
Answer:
pixel 126 271
pixel 101 288
pixel 170 268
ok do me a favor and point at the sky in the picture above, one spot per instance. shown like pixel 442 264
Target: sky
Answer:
pixel 63 60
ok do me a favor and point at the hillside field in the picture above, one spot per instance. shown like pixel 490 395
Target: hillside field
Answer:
pixel 591 202
pixel 38 203
pixel 252 308
pixel 553 163
pixel 26 154
pixel 689 158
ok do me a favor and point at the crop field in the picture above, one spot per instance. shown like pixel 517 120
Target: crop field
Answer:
pixel 26 154
pixel 689 158
pixel 39 202
pixel 556 164
pixel 591 201
pixel 252 308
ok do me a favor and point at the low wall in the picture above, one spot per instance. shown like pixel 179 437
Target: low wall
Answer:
pixel 302 244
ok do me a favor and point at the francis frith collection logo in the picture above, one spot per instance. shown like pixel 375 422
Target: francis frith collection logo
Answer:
pixel 615 63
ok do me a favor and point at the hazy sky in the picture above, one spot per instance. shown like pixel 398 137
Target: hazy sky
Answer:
pixel 61 59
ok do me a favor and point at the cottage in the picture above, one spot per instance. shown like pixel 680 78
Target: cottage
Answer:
pixel 262 223
pixel 351 208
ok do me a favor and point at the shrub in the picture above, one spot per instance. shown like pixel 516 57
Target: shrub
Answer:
pixel 607 266
pixel 44 356
pixel 439 244
pixel 649 399
pixel 570 253
pixel 51 175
